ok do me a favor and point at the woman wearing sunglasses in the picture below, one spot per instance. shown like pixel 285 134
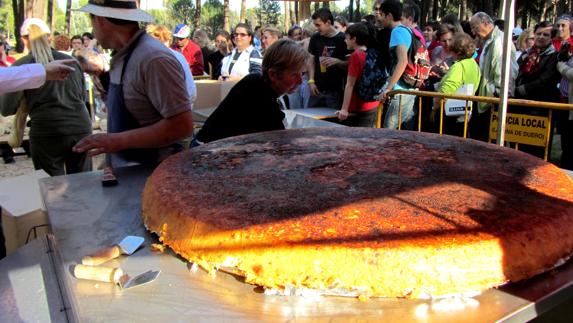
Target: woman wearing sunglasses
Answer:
pixel 244 58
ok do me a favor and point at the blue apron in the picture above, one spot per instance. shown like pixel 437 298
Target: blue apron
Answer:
pixel 119 119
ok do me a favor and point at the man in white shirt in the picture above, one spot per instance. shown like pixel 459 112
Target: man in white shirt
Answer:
pixel 31 76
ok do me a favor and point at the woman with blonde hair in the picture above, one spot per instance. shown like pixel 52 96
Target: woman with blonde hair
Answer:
pixel 270 35
pixel 525 41
pixel 59 118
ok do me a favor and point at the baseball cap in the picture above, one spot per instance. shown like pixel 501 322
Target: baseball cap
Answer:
pixel 517 31
pixel 181 31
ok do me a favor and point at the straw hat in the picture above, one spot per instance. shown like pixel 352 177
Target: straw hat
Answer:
pixel 25 29
pixel 118 9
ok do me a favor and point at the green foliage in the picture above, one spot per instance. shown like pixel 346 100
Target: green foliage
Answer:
pixel 268 12
pixel 6 17
pixel 162 17
pixel 212 18
pixel 181 11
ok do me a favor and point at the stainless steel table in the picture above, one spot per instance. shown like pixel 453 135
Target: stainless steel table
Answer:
pixel 85 217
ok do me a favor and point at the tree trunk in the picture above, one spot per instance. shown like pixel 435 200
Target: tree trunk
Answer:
pixel 436 7
pixel 197 19
pixel 296 6
pixel 260 14
pixel 243 11
pixel 463 9
pixel 50 14
pixel 226 24
pixel 424 10
pixel 488 7
pixel 287 17
pixel 544 11
pixel 18 8
pixel 351 10
pixel 523 15
pixel 357 15
pixel 68 16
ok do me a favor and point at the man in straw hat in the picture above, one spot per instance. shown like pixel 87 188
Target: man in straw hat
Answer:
pixel 149 109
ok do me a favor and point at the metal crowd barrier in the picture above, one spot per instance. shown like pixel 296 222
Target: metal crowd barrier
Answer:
pixel 472 98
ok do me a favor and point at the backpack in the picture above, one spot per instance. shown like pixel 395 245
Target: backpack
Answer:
pixel 418 69
pixel 372 79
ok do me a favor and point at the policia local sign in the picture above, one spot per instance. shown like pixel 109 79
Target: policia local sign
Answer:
pixel 522 129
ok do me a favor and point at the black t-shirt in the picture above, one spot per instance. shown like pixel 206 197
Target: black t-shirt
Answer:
pixel 215 59
pixel 251 106
pixel 206 52
pixel 383 42
pixel 334 77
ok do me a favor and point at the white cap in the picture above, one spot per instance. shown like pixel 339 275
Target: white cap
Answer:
pixel 181 31
pixel 517 31
pixel 25 29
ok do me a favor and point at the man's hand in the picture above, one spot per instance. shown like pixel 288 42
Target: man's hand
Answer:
pixel 313 89
pixel 59 70
pixel 342 115
pixel 100 143
pixel 330 61
pixel 383 96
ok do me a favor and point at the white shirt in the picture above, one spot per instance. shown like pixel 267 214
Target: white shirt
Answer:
pixel 242 65
pixel 189 82
pixel 24 77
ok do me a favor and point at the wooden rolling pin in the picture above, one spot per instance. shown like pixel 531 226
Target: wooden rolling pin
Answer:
pixel 102 274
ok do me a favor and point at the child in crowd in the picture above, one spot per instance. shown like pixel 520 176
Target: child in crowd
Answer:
pixel 355 112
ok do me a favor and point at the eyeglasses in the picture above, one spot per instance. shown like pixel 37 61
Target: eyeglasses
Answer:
pixel 240 34
pixel 543 34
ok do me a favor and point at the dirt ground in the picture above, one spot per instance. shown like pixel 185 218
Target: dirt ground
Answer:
pixel 23 165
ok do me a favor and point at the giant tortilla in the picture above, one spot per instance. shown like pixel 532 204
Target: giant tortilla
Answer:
pixel 363 211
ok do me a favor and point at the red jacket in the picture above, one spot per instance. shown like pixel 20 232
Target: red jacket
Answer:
pixel 194 57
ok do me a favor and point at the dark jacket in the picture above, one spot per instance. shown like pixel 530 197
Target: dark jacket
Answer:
pixel 540 85
pixel 251 106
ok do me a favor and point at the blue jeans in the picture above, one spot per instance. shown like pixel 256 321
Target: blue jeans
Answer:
pixel 407 115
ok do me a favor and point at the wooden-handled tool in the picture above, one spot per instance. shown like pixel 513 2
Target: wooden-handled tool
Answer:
pixel 102 256
pixel 114 275
pixel 127 246
pixel 102 274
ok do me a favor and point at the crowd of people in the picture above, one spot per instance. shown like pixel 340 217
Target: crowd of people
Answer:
pixel 148 91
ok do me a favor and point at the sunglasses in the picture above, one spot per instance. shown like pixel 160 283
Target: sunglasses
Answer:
pixel 378 9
